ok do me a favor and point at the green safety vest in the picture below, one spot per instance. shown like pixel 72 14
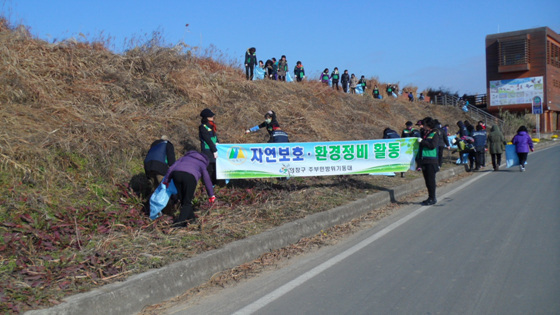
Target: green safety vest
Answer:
pixel 212 136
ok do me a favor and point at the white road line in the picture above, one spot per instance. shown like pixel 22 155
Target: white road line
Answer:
pixel 276 294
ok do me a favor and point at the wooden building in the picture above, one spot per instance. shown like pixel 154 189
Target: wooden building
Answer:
pixel 523 72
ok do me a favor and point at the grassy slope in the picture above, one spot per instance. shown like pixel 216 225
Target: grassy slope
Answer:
pixel 77 121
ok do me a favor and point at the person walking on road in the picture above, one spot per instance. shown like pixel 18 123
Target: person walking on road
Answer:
pixel 496 146
pixel 523 144
pixel 427 159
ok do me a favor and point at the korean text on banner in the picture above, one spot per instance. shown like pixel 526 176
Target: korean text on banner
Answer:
pixel 298 159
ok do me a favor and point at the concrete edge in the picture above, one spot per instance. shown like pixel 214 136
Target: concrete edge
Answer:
pixel 155 286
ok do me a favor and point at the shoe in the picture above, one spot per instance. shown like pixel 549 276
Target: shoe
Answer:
pixel 522 169
pixel 429 202
pixel 476 169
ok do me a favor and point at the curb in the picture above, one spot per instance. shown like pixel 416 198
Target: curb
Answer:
pixel 155 286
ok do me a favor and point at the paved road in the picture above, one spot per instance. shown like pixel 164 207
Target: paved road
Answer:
pixel 490 246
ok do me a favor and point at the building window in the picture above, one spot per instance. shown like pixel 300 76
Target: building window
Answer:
pixel 553 54
pixel 514 52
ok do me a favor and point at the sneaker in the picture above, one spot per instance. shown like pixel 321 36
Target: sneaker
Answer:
pixel 429 202
pixel 521 168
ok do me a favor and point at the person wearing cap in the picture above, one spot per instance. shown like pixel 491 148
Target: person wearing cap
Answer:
pixel 427 159
pixel 409 131
pixel 207 133
pixel 269 123
pixel 250 62
pixel 160 156
pixel 185 174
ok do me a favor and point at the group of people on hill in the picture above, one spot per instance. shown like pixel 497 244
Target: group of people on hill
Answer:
pixel 160 165
pixel 273 69
pixel 278 70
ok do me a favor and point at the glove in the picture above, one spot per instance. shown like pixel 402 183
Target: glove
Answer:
pixel 212 199
pixel 247 131
pixel 216 154
pixel 419 140
pixel 532 150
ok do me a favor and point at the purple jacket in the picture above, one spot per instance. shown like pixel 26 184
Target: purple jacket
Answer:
pixel 523 142
pixel 195 163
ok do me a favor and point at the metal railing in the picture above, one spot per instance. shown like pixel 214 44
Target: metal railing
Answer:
pixel 473 111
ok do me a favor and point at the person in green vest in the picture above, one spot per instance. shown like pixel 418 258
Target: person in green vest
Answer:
pixel 363 83
pixel 427 158
pixel 325 78
pixel 299 72
pixel 250 62
pixel 207 133
pixel 335 75
pixel 375 92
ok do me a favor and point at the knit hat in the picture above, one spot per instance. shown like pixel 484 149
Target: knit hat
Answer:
pixel 205 113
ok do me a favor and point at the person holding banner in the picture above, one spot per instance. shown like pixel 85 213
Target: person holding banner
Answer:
pixel 185 174
pixel 269 123
pixel 207 133
pixel 427 159
pixel 523 144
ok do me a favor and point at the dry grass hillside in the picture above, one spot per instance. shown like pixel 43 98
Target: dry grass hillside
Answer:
pixel 77 120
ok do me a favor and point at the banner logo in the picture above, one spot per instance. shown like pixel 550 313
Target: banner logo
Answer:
pixel 237 155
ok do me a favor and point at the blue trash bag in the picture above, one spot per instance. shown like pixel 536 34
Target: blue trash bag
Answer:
pixel 258 73
pixel 160 198
pixel 511 156
pixel 289 77
pixel 359 89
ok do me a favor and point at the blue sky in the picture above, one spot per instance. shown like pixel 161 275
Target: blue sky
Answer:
pixel 424 43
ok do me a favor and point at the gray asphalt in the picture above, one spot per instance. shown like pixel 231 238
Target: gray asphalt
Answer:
pixel 490 246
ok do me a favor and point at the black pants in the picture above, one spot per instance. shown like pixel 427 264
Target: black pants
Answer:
pixel 212 172
pixel 496 160
pixel 522 158
pixel 298 78
pixel 249 72
pixel 429 171
pixel 335 83
pixel 186 186
pixel 345 87
pixel 281 78
pixel 440 156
